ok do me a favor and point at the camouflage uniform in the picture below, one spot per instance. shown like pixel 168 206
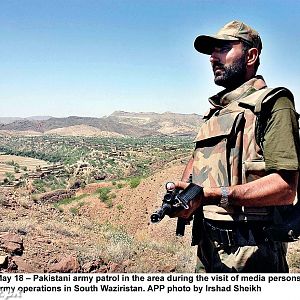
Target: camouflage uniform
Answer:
pixel 227 154
pixel 231 150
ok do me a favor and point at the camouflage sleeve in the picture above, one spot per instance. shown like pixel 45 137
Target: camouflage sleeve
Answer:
pixel 281 139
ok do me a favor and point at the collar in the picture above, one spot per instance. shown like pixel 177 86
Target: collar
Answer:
pixel 224 97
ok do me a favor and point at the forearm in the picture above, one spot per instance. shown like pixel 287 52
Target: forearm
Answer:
pixel 273 189
pixel 188 170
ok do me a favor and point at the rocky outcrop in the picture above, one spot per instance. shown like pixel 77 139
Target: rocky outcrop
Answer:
pixel 11 243
pixel 100 176
pixel 55 196
pixel 21 265
pixel 11 260
pixel 68 264
pixel 3 261
pixel 11 246
pixel 77 184
pixel 92 266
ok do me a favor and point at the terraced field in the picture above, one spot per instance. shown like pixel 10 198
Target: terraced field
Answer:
pixel 21 164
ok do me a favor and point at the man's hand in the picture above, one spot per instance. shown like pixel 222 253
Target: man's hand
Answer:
pixel 193 204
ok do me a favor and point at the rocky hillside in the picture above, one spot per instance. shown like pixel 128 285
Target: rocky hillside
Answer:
pixel 117 124
pixel 166 123
pixel 105 227
pixel 89 233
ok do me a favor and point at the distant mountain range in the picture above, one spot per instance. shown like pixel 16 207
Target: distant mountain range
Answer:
pixel 7 120
pixel 118 124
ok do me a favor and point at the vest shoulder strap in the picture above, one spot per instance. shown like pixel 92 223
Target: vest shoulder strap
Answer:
pixel 272 94
pixel 267 95
pixel 255 100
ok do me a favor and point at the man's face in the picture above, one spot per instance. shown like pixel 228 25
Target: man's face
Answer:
pixel 229 64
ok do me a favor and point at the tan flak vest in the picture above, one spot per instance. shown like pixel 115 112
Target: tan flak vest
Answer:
pixel 227 151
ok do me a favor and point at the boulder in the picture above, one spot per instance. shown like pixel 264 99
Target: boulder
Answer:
pixel 11 243
pixel 99 176
pixel 22 265
pixel 76 185
pixel 68 264
pixel 92 266
pixel 115 268
pixel 3 261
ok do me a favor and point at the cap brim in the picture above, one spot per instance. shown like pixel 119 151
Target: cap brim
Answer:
pixel 206 43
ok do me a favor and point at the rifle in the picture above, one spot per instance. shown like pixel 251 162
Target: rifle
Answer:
pixel 175 200
pixel 181 222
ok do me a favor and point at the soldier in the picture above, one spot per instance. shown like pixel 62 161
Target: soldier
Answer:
pixel 245 158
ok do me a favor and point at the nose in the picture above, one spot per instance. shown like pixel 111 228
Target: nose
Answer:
pixel 214 57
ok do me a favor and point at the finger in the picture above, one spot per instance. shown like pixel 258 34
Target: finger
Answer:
pixel 170 186
pixel 181 185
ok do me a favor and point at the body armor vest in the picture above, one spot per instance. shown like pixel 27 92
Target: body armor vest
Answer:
pixel 228 151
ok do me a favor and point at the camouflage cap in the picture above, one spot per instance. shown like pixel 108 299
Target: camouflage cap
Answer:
pixel 233 31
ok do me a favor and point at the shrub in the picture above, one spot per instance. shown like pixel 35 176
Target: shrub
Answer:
pixel 119 243
pixel 134 182
pixel 105 197
pixel 67 201
pixel 10 176
pixel 120 185
pixel 120 206
pixel 103 193
pixel 74 210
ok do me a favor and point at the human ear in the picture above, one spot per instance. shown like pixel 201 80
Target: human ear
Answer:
pixel 252 56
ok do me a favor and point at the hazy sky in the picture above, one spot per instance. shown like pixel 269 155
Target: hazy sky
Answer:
pixel 90 58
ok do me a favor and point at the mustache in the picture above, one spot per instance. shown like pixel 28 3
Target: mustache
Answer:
pixel 217 65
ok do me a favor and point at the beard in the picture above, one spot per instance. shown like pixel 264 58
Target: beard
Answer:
pixel 230 76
